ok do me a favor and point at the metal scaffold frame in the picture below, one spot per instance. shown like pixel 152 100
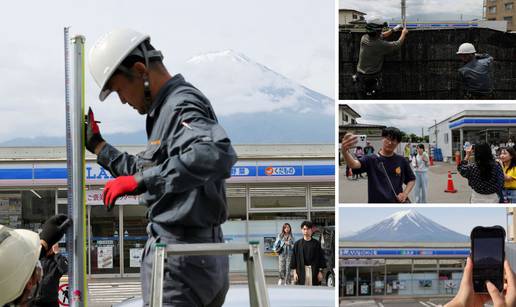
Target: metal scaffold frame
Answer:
pixel 76 235
pixel 258 294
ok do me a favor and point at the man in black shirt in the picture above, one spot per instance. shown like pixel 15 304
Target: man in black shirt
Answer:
pixel 307 258
pixel 386 171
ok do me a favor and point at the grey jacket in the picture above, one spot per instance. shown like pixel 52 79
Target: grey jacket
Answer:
pixel 476 74
pixel 187 158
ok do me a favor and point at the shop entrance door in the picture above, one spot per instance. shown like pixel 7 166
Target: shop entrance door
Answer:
pixel 134 238
pixel 104 248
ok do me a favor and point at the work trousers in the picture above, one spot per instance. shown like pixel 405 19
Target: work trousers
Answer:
pixel 188 280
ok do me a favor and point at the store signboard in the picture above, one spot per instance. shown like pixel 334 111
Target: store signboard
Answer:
pixel 94 198
pixel 397 253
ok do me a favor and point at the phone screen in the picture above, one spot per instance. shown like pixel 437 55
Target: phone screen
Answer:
pixel 488 255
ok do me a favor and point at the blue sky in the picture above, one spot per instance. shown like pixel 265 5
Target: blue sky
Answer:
pixel 461 220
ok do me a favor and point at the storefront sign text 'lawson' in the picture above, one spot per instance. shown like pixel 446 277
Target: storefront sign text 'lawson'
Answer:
pixel 97 173
pixel 280 171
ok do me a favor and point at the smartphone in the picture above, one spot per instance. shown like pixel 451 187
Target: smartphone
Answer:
pixel 488 253
pixel 362 141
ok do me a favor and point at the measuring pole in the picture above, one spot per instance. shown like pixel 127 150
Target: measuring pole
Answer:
pixel 75 163
pixel 404 13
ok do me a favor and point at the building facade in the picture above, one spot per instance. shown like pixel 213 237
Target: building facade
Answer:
pixel 492 126
pixel 270 185
pixel 347 16
pixel 501 10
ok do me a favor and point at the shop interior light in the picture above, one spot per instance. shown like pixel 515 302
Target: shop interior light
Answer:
pixel 39 196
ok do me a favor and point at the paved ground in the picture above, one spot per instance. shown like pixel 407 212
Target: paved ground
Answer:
pixel 355 191
pixel 105 292
pixel 410 302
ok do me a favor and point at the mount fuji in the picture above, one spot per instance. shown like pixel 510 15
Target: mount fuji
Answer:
pixel 258 105
pixel 407 226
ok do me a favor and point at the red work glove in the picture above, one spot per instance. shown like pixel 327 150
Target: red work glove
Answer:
pixel 92 131
pixel 120 186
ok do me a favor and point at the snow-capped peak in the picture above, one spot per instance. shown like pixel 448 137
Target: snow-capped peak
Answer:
pixel 212 56
pixel 409 226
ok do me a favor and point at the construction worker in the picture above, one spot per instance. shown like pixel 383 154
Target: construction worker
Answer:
pixel 475 75
pixel 181 173
pixel 373 48
pixel 20 252
pixel 54 265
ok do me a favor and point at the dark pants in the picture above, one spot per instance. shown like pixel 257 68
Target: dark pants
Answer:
pixel 188 280
pixel 369 86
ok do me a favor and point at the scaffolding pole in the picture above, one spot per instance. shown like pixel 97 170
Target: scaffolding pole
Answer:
pixel 76 236
pixel 403 13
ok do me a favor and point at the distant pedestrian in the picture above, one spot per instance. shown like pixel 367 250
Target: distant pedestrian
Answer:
pixel 475 75
pixel 485 176
pixel 406 152
pixel 359 153
pixel 420 163
pixel 308 259
pixel 283 247
pixel 368 149
pixel 508 159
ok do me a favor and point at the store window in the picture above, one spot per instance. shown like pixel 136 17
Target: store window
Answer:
pixel 425 280
pixel 397 281
pixel 11 209
pixel 105 240
pixel 323 195
pixel 349 281
pixel 278 196
pixel 236 199
pixel 378 281
pixel 450 275
pixel 37 207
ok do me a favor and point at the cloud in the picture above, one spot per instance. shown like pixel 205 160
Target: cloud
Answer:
pixel 270 32
pixel 412 117
pixel 418 9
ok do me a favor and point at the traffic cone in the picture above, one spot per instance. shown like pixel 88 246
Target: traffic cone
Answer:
pixel 450 188
pixel 431 161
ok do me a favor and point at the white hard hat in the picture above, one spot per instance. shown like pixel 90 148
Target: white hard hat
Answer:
pixel 466 48
pixel 108 52
pixel 19 254
pixel 376 21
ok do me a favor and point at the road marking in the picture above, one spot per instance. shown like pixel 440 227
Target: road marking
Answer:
pixel 424 304
pixel 433 304
pixel 380 304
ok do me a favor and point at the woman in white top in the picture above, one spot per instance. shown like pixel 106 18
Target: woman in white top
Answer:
pixel 420 163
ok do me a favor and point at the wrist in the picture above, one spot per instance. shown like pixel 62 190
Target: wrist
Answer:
pixel 99 147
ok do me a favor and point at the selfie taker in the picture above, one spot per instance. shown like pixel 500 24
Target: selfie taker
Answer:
pixel 386 170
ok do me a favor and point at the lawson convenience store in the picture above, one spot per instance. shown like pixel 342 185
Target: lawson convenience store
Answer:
pixel 270 185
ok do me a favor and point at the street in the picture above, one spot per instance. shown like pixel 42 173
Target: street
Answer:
pixel 104 292
pixel 397 302
pixel 355 191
